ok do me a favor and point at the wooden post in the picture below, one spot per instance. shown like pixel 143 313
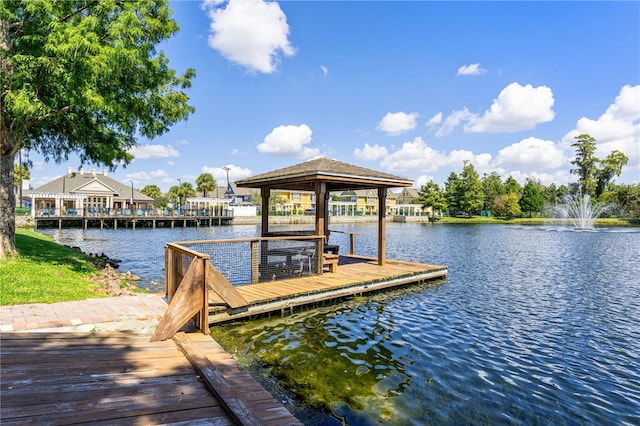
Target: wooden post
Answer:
pixel 382 225
pixel 265 193
pixel 322 208
pixel 169 277
pixel 204 313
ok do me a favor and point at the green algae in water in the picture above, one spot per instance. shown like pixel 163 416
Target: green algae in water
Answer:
pixel 335 359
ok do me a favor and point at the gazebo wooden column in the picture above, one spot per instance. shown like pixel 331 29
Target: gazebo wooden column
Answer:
pixel 322 207
pixel 382 225
pixel 265 193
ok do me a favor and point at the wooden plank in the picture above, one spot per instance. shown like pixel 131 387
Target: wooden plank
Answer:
pixel 127 389
pixel 200 350
pixel 186 302
pixel 223 288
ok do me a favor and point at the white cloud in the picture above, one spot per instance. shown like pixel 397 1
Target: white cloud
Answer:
pixel 325 70
pixel 145 152
pixel 395 123
pixel 253 34
pixel 472 69
pixel 618 128
pixel 220 174
pixel 414 157
pixel 422 180
pixel 453 120
pixel 142 178
pixel 435 120
pixel 531 154
pixel 516 108
pixel 370 153
pixel 289 141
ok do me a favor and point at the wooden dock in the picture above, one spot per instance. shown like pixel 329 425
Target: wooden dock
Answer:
pixel 76 378
pixel 355 275
pixel 130 222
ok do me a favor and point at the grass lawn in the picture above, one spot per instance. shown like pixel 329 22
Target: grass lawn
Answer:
pixel 46 272
pixel 530 221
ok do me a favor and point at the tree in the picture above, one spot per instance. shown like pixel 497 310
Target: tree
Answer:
pixel 154 192
pixel 205 183
pixel 82 77
pixel 452 192
pixel 507 205
pixel 472 194
pixel 531 199
pixel 585 163
pixel 512 186
pixel 493 187
pixel 611 166
pixel 19 172
pixel 431 196
pixel 179 194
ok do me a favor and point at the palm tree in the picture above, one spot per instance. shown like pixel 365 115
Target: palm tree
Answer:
pixel 205 183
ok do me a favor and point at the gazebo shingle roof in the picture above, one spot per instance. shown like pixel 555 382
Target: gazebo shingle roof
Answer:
pixel 337 174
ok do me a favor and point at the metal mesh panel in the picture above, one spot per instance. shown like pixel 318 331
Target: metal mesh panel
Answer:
pixel 247 262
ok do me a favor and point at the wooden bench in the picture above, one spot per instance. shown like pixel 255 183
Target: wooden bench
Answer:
pixel 330 260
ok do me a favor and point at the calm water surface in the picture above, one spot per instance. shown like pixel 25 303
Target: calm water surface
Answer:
pixel 534 325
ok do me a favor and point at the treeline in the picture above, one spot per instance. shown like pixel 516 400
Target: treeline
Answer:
pixel 467 193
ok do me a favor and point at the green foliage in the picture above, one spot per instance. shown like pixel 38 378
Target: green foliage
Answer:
pixel 452 192
pixel 206 183
pixel 431 196
pixel 493 187
pixel 585 163
pixel 611 167
pixel 178 194
pixel 507 205
pixel 154 192
pixel 531 200
pixel 470 190
pixel 17 171
pixel 84 78
pixel 512 186
pixel 45 272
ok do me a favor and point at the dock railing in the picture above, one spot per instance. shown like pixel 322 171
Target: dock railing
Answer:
pixel 194 268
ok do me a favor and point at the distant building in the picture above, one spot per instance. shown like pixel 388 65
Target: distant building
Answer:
pixel 86 194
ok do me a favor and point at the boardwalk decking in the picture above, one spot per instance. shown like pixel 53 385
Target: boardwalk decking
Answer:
pixel 76 378
pixel 355 275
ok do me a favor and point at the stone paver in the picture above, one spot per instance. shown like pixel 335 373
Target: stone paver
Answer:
pixel 138 313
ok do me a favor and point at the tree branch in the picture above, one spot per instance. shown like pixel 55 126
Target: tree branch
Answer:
pixel 75 12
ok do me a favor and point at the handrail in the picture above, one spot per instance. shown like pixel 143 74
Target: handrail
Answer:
pixel 352 239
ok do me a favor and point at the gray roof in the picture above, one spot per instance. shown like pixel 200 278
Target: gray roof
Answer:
pixel 90 184
pixel 337 175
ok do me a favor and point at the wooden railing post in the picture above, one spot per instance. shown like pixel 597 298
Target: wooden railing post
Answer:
pixel 204 313
pixel 352 243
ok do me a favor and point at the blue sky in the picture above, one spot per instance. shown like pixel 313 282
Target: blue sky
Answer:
pixel 410 88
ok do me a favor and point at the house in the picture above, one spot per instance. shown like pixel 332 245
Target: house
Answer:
pixel 363 201
pixel 86 194
pixel 407 205
pixel 407 196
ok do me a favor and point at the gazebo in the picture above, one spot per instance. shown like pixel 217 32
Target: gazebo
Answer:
pixel 323 176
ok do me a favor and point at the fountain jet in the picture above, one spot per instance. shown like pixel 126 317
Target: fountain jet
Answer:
pixel 580 211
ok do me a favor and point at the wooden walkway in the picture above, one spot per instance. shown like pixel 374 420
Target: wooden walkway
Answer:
pixel 355 275
pixel 79 378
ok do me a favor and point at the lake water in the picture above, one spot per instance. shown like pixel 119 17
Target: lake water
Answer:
pixel 534 325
